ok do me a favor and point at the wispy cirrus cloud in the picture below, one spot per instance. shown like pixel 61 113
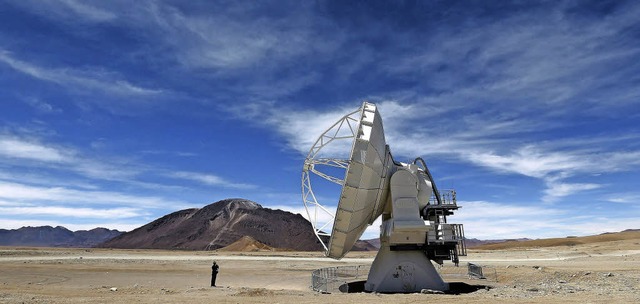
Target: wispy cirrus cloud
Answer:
pixel 234 37
pixel 236 48
pixel 78 79
pixel 41 106
pixel 624 198
pixel 68 10
pixel 17 192
pixel 23 152
pixel 106 213
pixel 556 190
pixel 489 220
pixel 88 11
pixel 14 147
pixel 27 149
pixel 528 160
pixel 209 180
pixel 300 129
pixel 540 56
pixel 244 49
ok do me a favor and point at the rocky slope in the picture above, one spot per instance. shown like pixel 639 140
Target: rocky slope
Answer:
pixel 220 224
pixel 47 236
pixel 247 244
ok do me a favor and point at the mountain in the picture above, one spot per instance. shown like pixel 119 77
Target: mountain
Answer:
pixel 47 236
pixel 473 243
pixel 629 234
pixel 366 245
pixel 374 244
pixel 220 224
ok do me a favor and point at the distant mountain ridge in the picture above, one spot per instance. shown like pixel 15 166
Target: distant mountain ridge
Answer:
pixel 374 244
pixel 472 243
pixel 220 224
pixel 566 241
pixel 216 226
pixel 47 236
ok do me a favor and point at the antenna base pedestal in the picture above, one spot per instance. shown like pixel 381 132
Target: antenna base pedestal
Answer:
pixel 403 271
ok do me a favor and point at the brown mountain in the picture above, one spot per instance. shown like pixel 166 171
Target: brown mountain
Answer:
pixel 474 243
pixel 47 236
pixel 220 224
pixel 629 234
pixel 366 245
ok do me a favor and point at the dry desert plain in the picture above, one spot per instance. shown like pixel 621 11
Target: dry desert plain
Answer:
pixel 592 272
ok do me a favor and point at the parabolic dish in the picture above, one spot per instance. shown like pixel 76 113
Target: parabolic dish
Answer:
pixel 364 186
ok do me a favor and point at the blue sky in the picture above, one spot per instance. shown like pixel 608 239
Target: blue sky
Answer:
pixel 114 113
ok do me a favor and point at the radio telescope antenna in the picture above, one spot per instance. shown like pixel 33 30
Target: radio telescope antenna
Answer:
pixel 414 228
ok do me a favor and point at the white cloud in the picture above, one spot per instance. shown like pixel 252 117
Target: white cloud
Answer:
pixel 300 129
pixel 11 204
pixel 597 225
pixel 26 193
pixel 491 220
pixel 39 178
pixel 556 190
pixel 624 198
pixel 231 37
pixel 41 106
pixel 14 147
pixel 544 56
pixel 28 149
pixel 471 209
pixel 83 9
pixel 209 179
pixel 112 213
pixel 486 220
pixel 527 160
pixel 74 79
pixel 373 231
pixel 616 160
pixel 68 10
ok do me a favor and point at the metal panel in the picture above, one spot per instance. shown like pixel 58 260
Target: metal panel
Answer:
pixel 364 182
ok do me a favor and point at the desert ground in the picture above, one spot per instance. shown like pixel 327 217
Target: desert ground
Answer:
pixel 602 272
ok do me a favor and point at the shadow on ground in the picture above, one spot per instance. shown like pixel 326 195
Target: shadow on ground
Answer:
pixel 455 288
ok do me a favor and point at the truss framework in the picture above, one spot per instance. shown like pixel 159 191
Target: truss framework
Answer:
pixel 320 217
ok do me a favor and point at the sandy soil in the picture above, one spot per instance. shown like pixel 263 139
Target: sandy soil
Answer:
pixel 587 273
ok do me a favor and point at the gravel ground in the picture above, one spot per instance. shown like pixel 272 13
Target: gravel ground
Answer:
pixel 592 273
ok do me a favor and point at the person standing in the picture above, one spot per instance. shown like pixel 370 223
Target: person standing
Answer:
pixel 214 273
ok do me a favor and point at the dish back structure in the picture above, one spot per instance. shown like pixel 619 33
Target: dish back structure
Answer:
pixel 414 228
